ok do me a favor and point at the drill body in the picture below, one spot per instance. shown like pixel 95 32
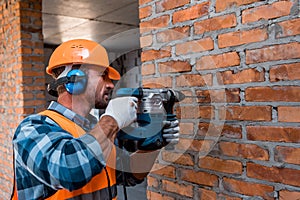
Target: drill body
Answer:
pixel 154 107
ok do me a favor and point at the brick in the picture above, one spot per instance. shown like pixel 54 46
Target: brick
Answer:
pixel 287 155
pixel 226 197
pixel 145 12
pixel 163 170
pixel 154 24
pixel 178 158
pixel 186 128
pixel 141 2
pixel 34 102
pixel 286 72
pixel 183 190
pixel 288 114
pixel 33 58
pixel 23 5
pixel 38 51
pixel 32 88
pixel 201 178
pixel 216 164
pixel 192 112
pixel 247 113
pixel 27 80
pixel 28 43
pixel 215 23
pixel 152 182
pixel 287 195
pixel 219 96
pixel 26 111
pixel 165 5
pixel 215 130
pixel 28 95
pixel 39 81
pixel 266 12
pixel 244 76
pixel 25 20
pixel 274 174
pixel 273 133
pixel 187 100
pixel 248 188
pixel 195 145
pixel 174 67
pixel 289 28
pixel 194 46
pixel 242 37
pixel 173 34
pixel 34 73
pixel 247 151
pixel 272 53
pixel 155 54
pixel 193 80
pixel 207 194
pixel 146 41
pixel 227 4
pixel 159 82
pixel 273 94
pixel 193 12
pixel 148 69
pixel 157 196
pixel 31 13
pixel 25 50
pixel 218 61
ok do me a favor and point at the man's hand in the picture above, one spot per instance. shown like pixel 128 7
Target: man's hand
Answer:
pixel 123 110
pixel 170 131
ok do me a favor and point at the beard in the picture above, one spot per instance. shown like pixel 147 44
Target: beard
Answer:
pixel 102 102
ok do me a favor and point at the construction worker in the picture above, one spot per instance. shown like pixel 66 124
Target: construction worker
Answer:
pixel 64 152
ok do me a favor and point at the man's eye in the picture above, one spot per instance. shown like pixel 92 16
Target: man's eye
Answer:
pixel 104 74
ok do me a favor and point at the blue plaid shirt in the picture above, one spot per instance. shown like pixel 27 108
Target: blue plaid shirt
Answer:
pixel 48 158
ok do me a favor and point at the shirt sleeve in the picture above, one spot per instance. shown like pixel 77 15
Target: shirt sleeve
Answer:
pixel 53 156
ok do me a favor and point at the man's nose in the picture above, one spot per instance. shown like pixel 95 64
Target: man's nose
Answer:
pixel 109 84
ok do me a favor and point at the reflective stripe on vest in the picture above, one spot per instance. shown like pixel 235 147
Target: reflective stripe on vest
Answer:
pixel 98 186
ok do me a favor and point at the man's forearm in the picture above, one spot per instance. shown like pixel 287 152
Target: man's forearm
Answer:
pixel 105 133
pixel 141 162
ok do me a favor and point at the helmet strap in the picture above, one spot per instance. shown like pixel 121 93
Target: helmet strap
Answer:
pixel 73 82
pixel 60 80
pixel 65 72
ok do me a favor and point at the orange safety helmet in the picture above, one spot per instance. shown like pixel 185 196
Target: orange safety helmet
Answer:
pixel 81 51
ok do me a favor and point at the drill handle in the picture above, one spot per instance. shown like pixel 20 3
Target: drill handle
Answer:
pixel 170 104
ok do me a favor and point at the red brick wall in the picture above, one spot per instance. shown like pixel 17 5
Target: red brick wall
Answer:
pixel 22 75
pixel 242 138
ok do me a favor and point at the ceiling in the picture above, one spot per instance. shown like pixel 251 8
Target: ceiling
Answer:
pixel 112 23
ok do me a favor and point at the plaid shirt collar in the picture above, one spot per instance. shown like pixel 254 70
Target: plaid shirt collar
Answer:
pixel 86 123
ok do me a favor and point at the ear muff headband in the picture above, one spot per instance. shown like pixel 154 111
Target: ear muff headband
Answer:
pixel 75 82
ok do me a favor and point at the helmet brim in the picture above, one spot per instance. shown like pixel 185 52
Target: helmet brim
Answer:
pixel 113 74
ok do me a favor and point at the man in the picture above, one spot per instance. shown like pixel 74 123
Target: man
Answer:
pixel 63 152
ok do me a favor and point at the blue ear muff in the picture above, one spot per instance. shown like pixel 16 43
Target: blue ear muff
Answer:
pixel 77 81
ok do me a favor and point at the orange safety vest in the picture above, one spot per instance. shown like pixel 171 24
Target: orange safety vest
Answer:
pixel 99 182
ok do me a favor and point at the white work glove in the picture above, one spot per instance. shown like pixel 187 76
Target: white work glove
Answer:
pixel 171 131
pixel 123 110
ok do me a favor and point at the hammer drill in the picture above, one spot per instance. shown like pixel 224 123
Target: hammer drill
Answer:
pixel 154 107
